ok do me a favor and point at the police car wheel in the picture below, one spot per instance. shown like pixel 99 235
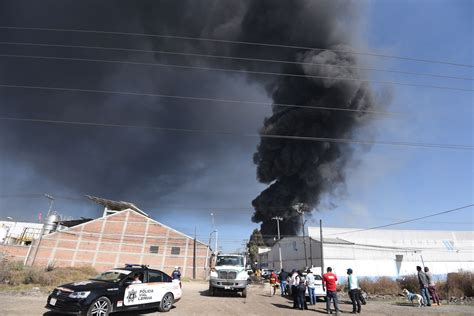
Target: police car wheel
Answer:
pixel 100 307
pixel 166 302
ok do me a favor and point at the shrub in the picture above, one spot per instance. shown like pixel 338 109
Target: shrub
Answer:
pixel 14 273
pixel 409 282
pixel 459 284
pixel 379 286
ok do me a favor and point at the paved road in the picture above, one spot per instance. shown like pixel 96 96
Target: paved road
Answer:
pixel 197 302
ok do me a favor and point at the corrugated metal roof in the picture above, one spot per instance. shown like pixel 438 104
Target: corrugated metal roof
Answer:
pixel 116 205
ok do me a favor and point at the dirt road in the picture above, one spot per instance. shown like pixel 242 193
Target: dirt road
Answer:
pixel 197 302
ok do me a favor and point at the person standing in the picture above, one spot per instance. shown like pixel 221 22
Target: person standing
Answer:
pixel 301 288
pixel 354 291
pixel 176 275
pixel 311 283
pixel 329 281
pixel 283 276
pixel 295 281
pixel 432 286
pixel 423 281
pixel 273 283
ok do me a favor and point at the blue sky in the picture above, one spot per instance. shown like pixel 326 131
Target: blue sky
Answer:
pixel 384 184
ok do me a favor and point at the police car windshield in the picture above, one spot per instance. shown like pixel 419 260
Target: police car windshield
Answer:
pixel 230 261
pixel 112 276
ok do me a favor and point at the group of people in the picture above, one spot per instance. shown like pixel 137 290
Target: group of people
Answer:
pixel 427 286
pixel 297 283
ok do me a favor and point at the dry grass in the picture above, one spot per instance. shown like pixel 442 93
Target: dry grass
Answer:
pixel 15 274
pixel 379 286
pixel 457 284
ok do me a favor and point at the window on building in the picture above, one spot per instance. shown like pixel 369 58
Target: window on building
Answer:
pixel 157 276
pixel 154 249
pixel 175 250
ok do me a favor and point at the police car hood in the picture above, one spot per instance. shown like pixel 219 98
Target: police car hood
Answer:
pixel 88 285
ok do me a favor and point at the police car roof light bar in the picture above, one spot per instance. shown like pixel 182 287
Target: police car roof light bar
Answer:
pixel 131 265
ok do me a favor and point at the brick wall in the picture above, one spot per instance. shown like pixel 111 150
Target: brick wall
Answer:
pixel 14 252
pixel 124 237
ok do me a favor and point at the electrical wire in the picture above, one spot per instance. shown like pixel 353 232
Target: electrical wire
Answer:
pixel 210 56
pixel 179 97
pixel 226 133
pixel 6 27
pixel 403 222
pixel 265 73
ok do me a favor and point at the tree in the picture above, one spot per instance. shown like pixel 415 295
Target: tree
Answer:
pixel 255 241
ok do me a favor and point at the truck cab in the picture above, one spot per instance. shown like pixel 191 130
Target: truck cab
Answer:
pixel 229 274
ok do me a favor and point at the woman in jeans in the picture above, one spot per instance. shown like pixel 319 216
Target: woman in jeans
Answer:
pixel 311 283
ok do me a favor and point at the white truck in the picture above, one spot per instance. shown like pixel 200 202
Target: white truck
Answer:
pixel 229 274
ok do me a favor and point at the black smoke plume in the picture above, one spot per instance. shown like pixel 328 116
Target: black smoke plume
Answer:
pixel 301 171
pixel 104 162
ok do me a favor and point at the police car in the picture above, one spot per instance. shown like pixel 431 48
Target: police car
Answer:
pixel 130 288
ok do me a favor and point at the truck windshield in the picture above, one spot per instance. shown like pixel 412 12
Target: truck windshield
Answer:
pixel 230 261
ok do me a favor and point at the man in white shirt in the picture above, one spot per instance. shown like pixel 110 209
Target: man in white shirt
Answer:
pixel 311 283
pixel 354 291
pixel 294 281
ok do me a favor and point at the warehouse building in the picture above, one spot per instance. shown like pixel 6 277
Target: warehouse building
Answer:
pixel 124 234
pixel 377 252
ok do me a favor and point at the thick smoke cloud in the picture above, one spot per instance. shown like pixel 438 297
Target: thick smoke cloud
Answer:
pixel 297 171
pixel 301 171
pixel 105 161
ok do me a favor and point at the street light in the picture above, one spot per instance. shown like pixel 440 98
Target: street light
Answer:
pixel 278 219
pixel 207 250
pixel 51 199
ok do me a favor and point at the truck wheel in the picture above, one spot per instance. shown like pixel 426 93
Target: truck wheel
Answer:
pixel 244 293
pixel 166 302
pixel 212 291
pixel 100 307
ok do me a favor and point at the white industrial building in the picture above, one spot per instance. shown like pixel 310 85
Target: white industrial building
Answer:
pixel 16 233
pixel 377 252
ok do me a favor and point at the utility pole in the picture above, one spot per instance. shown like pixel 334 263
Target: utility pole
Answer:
pixel 51 199
pixel 194 254
pixel 300 209
pixel 321 239
pixel 278 219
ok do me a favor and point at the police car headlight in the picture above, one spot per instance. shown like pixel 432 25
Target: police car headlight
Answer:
pixel 214 274
pixel 83 294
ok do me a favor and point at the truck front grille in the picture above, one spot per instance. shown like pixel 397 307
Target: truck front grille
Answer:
pixel 228 275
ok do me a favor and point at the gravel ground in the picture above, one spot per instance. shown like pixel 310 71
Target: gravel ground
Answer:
pixel 259 302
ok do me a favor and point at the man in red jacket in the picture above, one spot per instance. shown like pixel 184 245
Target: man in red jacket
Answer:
pixel 329 280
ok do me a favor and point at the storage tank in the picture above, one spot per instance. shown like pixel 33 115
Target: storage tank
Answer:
pixel 51 223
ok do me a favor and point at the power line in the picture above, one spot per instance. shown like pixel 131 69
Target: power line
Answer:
pixel 234 58
pixel 180 97
pixel 403 222
pixel 231 42
pixel 264 73
pixel 226 133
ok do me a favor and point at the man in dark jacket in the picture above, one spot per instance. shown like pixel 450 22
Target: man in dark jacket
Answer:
pixel 424 283
pixel 283 276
